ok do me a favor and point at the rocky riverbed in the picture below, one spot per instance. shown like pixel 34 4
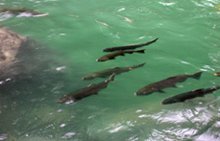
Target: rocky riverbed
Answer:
pixel 10 43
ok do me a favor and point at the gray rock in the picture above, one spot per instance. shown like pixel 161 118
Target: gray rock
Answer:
pixel 10 42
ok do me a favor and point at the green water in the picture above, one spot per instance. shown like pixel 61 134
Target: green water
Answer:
pixel 73 35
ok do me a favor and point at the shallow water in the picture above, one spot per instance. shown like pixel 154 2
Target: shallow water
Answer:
pixel 72 37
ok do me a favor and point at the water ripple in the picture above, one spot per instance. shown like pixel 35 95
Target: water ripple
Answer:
pixel 167 3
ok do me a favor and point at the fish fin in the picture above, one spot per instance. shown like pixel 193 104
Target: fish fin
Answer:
pixel 122 54
pixel 140 51
pixel 197 75
pixel 174 86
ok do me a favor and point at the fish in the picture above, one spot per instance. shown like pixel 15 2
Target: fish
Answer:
pixel 107 72
pixel 129 47
pixel 168 82
pixel 22 12
pixel 190 95
pixel 113 55
pixel 90 90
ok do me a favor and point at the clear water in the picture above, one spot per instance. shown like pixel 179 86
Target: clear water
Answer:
pixel 72 37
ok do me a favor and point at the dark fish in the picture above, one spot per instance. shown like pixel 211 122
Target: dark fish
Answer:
pixel 113 55
pixel 87 91
pixel 169 82
pixel 129 47
pixel 108 72
pixel 190 95
pixel 22 12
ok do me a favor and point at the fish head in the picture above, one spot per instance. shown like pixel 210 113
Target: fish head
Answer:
pixel 169 101
pixel 89 77
pixel 166 101
pixel 65 99
pixel 102 59
pixel 146 90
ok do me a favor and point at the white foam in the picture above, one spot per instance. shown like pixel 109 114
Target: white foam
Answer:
pixel 167 3
pixel 68 135
pixel 121 9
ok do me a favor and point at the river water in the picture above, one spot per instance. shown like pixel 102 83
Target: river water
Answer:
pixel 67 43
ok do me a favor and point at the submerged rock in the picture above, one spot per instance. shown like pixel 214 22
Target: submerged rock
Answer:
pixel 10 43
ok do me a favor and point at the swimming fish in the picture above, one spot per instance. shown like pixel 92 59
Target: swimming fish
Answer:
pixel 22 12
pixel 113 55
pixel 169 82
pixel 108 72
pixel 91 89
pixel 189 95
pixel 129 47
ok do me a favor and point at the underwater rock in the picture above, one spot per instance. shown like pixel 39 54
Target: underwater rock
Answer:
pixel 10 42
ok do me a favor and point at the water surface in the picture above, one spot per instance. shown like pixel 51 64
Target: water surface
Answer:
pixel 72 37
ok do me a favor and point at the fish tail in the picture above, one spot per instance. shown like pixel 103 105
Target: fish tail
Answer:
pixel 197 75
pixel 140 51
pixel 150 42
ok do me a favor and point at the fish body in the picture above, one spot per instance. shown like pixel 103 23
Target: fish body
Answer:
pixel 169 82
pixel 115 54
pixel 108 72
pixel 189 95
pixel 87 91
pixel 129 47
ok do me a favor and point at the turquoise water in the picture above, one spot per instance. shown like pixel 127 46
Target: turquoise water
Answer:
pixel 71 38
